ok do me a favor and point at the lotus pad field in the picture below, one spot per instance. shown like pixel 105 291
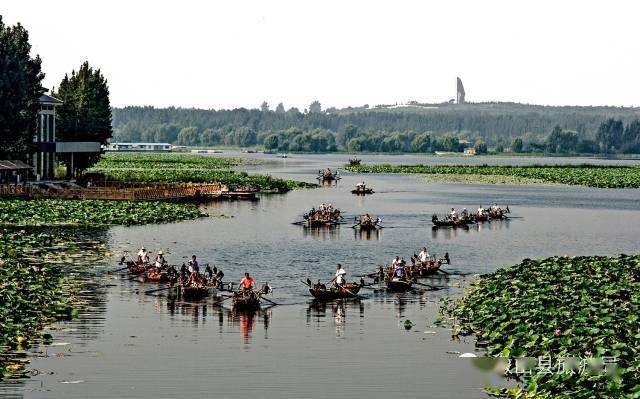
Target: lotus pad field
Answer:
pixel 185 168
pixel 587 308
pixel 582 175
pixel 51 212
pixel 35 289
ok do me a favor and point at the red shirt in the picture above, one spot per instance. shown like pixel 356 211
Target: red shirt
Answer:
pixel 247 282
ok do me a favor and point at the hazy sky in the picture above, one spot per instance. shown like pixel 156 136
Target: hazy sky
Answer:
pixel 225 54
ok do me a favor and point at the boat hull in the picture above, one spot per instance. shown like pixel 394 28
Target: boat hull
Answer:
pixel 333 294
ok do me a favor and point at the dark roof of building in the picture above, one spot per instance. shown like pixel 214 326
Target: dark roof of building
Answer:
pixel 49 100
pixel 13 165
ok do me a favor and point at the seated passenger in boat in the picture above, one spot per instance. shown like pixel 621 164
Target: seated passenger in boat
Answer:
pixel 480 210
pixel 400 271
pixel 339 278
pixel 247 283
pixel 395 262
pixel 464 214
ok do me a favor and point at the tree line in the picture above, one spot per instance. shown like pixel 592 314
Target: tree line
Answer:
pixel 85 114
pixel 523 128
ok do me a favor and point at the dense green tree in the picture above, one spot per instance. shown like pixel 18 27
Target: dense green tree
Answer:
pixel 517 145
pixel 346 133
pixel 315 107
pixel 271 142
pixel 421 143
pixel 211 137
pixel 280 109
pixel 448 142
pixel 609 135
pixel 499 148
pixel 85 114
pixel 245 137
pixel 189 136
pixel 480 147
pixel 631 138
pixel 20 87
pixel 264 107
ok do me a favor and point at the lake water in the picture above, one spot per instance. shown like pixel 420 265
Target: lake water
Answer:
pixel 131 345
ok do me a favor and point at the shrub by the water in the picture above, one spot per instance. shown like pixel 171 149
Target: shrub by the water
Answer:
pixel 582 307
pixel 583 175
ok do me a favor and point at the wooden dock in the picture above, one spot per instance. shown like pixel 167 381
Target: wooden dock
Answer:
pixel 126 192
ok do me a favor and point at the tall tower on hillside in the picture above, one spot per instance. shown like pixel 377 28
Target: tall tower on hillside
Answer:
pixel 459 92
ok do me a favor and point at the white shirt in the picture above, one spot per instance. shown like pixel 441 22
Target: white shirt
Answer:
pixel 480 211
pixel 339 276
pixel 424 255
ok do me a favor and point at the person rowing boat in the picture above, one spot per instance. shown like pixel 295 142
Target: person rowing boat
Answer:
pixel 423 256
pixel 143 255
pixel 247 283
pixel 339 278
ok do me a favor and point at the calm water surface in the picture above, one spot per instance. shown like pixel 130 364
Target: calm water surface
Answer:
pixel 128 344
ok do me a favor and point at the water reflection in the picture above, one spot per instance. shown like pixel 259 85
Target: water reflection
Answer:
pixel 323 232
pixel 449 233
pixel 317 313
pixel 242 321
pixel 367 234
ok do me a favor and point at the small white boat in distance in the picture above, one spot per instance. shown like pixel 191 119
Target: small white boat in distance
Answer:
pixel 283 156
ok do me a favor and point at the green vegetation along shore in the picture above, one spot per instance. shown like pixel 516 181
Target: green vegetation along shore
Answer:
pixel 92 213
pixel 186 168
pixel 581 307
pixel 35 290
pixel 582 175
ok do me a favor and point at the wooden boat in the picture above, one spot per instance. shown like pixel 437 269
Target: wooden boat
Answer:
pixel 328 175
pixel 193 293
pixel 354 162
pixel 428 268
pixel 155 277
pixel 460 222
pixel 349 290
pixel 136 268
pixel 367 223
pixel 397 284
pixel 489 215
pixel 246 300
pixel 361 191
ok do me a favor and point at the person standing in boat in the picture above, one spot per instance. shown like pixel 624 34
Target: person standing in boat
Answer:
pixel 247 283
pixel 423 255
pixel 340 275
pixel 193 265
pixel 143 255
pixel 464 214
pixel 453 214
pixel 159 260
pixel 481 211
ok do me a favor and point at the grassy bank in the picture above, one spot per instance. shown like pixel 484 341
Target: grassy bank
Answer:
pixel 185 168
pixel 582 307
pixel 92 213
pixel 583 175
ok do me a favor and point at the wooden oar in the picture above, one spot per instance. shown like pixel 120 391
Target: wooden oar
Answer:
pixel 351 293
pixel 305 283
pixel 268 300
pixel 442 271
pixel 160 289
